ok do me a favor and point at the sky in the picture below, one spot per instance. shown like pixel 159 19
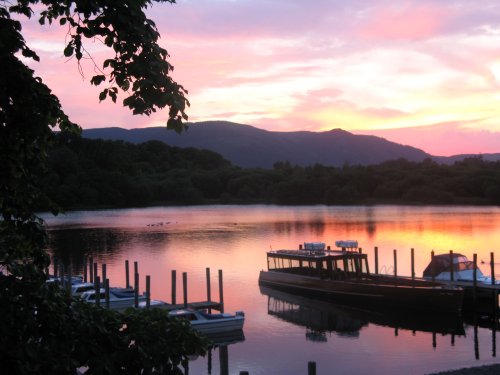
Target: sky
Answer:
pixel 424 73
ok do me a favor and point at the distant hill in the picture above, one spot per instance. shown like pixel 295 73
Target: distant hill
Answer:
pixel 250 147
pixel 454 158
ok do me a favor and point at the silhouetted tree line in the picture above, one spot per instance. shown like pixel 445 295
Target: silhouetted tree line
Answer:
pixel 87 173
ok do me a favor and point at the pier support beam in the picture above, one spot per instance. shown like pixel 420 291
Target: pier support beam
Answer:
pixel 184 289
pixel 221 292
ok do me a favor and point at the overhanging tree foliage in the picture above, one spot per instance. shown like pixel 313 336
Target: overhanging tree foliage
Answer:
pixel 42 330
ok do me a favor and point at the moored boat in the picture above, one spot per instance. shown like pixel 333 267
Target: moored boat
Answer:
pixel 119 298
pixel 442 265
pixel 341 275
pixel 207 324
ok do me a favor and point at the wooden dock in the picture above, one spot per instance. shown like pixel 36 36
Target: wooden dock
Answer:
pixel 90 274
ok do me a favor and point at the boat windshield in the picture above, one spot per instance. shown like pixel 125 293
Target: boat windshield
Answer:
pixel 326 265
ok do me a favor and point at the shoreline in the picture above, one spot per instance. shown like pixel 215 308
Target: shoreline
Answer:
pixel 493 369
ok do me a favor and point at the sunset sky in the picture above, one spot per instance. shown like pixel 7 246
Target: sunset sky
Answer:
pixel 424 72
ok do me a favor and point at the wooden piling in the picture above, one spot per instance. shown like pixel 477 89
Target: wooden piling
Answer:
pixel 104 272
pixel 360 250
pixel 376 260
pixel 136 290
pixel 395 263
pixel 136 267
pixel 412 252
pixel 474 288
pixel 97 288
pixel 311 368
pixel 451 266
pixel 209 294
pixel 492 266
pixel 95 271
pixel 432 264
pixel 61 274
pixel 174 286
pixel 184 289
pixel 221 292
pixel 56 266
pixel 85 278
pixel 91 269
pixel 127 275
pixel 68 286
pixel 106 288
pixel 148 291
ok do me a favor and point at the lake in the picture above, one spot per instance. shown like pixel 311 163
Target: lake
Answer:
pixel 284 332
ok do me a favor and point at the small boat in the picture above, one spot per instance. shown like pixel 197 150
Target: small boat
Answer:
pixel 343 276
pixel 78 289
pixel 463 269
pixel 119 298
pixel 208 324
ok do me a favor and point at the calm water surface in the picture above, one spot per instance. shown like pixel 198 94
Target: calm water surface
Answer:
pixel 284 332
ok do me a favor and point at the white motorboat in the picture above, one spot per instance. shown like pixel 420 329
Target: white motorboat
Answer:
pixel 463 269
pixel 119 298
pixel 206 323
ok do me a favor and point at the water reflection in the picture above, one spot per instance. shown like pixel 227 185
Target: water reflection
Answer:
pixel 235 239
pixel 319 316
pixel 221 343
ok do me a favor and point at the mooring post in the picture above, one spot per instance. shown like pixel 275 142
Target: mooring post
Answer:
pixel 56 265
pixel 311 368
pixel 451 266
pixel 434 344
pixel 85 278
pixel 127 274
pixel 376 260
pixel 61 274
pixel 174 286
pixel 136 267
pixel 209 296
pixel 68 285
pixel 221 292
pixel 106 288
pixel 474 288
pixel 97 288
pixel 432 265
pixel 104 269
pixel 492 265
pixel 395 263
pixel 95 270
pixel 184 289
pixel 412 263
pixel 136 289
pixel 360 250
pixel 91 269
pixel 148 291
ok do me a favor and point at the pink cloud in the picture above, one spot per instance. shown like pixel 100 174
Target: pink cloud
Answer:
pixel 444 139
pixel 405 21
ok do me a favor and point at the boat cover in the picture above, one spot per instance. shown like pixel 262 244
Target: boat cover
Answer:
pixel 441 263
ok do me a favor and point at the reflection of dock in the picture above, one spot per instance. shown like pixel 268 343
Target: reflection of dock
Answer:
pixel 316 316
pixel 322 316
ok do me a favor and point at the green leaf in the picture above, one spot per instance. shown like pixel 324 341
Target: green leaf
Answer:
pixel 97 80
pixel 103 95
pixel 68 51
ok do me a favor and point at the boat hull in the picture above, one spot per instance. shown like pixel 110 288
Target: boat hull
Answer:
pixel 367 292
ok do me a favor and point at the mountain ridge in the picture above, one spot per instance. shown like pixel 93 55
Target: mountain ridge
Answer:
pixel 250 147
